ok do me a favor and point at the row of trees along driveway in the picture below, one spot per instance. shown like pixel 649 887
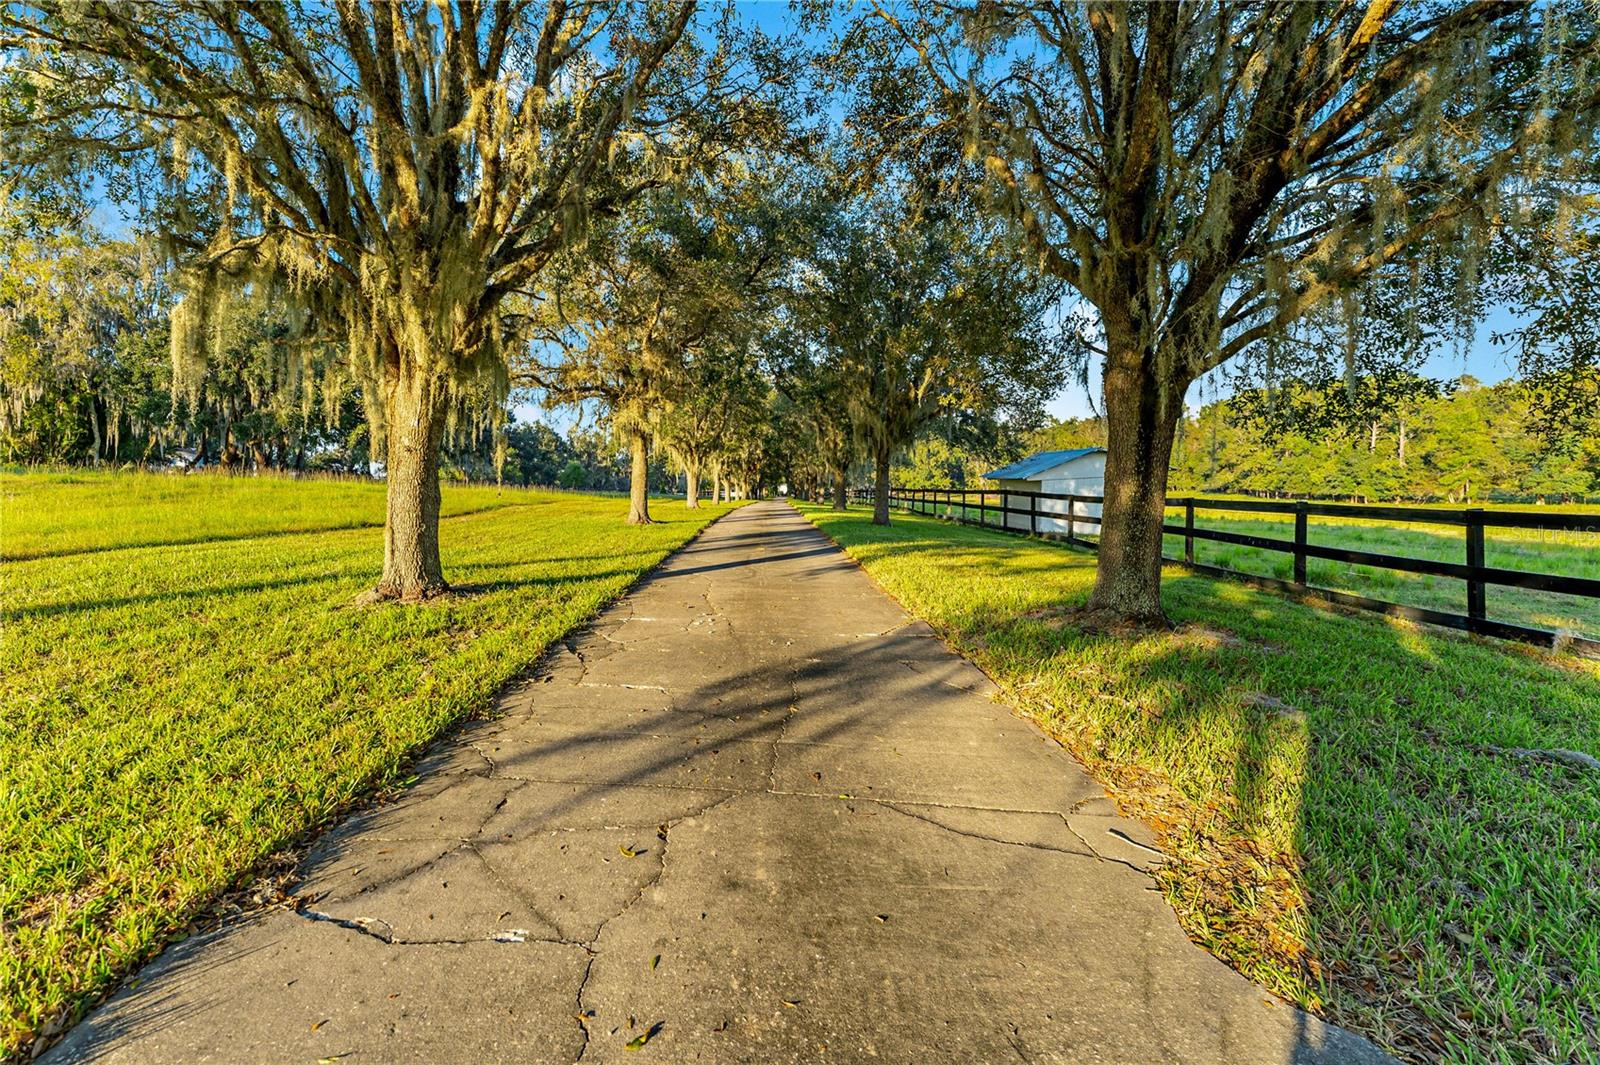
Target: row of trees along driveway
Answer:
pixel 831 239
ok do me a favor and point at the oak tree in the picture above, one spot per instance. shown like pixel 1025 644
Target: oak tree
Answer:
pixel 1204 174
pixel 404 167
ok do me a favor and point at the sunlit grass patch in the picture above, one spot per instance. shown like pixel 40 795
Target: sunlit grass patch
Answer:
pixel 1563 552
pixel 70 511
pixel 171 714
pixel 1350 825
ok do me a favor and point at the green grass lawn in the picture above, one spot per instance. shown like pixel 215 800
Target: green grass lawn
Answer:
pixel 1347 823
pixel 1568 553
pixel 1565 552
pixel 173 713
pixel 68 512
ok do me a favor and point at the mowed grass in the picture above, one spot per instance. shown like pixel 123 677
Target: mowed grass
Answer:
pixel 1348 821
pixel 70 511
pixel 172 714
pixel 1565 552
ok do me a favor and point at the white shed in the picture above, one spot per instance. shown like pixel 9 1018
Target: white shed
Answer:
pixel 1079 472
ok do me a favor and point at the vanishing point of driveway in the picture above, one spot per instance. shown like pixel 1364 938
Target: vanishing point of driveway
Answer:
pixel 756 814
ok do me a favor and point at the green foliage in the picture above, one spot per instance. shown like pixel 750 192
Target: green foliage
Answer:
pixel 911 316
pixel 78 314
pixel 171 716
pixel 1473 443
pixel 654 318
pixel 1345 820
pixel 573 475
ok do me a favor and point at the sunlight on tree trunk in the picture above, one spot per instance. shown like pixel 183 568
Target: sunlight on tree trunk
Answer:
pixel 639 479
pixel 414 412
pixel 691 487
pixel 1214 180
pixel 1141 420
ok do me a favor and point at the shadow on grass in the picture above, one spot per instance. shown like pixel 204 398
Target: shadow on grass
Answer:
pixel 1341 791
pixel 238 537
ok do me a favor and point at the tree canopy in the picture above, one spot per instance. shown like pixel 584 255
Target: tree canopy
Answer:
pixel 363 230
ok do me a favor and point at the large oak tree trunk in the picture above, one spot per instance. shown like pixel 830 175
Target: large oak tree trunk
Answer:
pixel 691 485
pixel 1141 422
pixel 841 489
pixel 639 479
pixel 414 410
pixel 880 501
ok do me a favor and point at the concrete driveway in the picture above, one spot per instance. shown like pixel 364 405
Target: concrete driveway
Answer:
pixel 754 814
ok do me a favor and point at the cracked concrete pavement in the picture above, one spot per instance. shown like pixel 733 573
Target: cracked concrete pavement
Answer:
pixel 754 809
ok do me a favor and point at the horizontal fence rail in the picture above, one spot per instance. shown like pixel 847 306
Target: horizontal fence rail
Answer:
pixel 1065 517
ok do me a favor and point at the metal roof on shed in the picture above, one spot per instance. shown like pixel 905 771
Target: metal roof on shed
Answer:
pixel 1038 463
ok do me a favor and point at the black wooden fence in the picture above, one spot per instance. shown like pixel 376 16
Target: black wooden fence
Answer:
pixel 1067 516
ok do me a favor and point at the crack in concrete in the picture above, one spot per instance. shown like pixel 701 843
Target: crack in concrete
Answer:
pixel 517 893
pixel 592 946
pixel 631 687
pixel 365 926
pixel 990 839
pixel 896 804
pixel 1014 1039
pixel 481 753
pixel 630 784
pixel 583 1024
pixel 1124 837
pixel 573 649
pixel 783 730
pixel 919 802
pixel 1096 851
pixel 361 925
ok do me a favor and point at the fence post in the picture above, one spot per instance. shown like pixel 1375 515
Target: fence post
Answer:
pixel 1188 531
pixel 1300 543
pixel 1072 508
pixel 1033 513
pixel 1476 611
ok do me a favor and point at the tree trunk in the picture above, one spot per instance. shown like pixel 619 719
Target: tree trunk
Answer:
pixel 1141 421
pixel 880 501
pixel 841 488
pixel 639 479
pixel 94 424
pixel 414 409
pixel 691 485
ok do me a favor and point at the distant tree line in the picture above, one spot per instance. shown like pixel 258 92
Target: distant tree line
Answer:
pixel 1463 443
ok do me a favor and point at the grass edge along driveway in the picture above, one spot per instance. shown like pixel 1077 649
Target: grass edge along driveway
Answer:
pixel 174 714
pixel 1346 821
